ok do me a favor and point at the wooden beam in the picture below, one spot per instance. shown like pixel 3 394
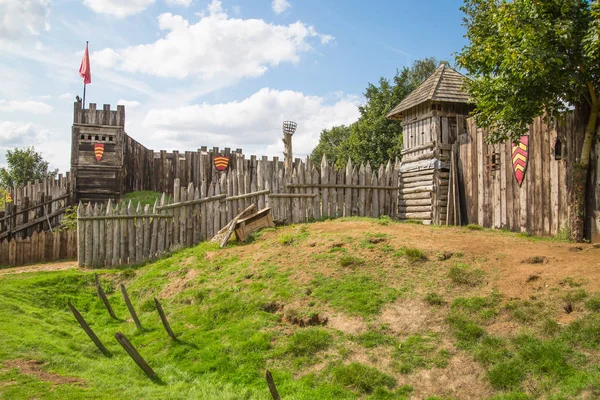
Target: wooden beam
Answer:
pixel 297 186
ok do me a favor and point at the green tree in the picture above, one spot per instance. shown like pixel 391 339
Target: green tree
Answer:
pixel 530 57
pixel 373 137
pixel 23 165
pixel 333 143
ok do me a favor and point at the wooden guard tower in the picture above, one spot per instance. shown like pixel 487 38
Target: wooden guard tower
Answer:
pixel 97 152
pixel 432 116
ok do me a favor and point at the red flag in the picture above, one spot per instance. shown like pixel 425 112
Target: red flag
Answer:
pixel 84 69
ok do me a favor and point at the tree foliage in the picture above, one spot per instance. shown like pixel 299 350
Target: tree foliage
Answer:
pixel 23 165
pixel 528 57
pixel 373 137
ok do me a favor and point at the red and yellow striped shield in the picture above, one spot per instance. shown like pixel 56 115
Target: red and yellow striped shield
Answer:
pixel 8 197
pixel 99 151
pixel 221 163
pixel 520 156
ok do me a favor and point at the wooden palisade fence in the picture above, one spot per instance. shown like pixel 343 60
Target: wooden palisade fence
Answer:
pixel 119 234
pixel 35 207
pixel 39 247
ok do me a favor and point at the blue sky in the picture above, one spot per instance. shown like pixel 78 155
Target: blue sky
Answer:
pixel 207 72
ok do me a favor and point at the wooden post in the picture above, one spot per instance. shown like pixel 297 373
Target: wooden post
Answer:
pixel 133 353
pixel 163 318
pixel 102 295
pixel 288 158
pixel 88 330
pixel 272 387
pixel 130 307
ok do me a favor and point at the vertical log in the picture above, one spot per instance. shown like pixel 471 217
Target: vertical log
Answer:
pixel 80 236
pixel 96 237
pixel 348 192
pixel 132 234
pixel 146 230
pixel 361 191
pixel 189 236
pixel 160 243
pixel 101 238
pixel 109 233
pixel 123 247
pixel 176 211
pixel 375 194
pixel 316 191
pixel 154 232
pixel 182 217
pixel 89 239
pixel 116 253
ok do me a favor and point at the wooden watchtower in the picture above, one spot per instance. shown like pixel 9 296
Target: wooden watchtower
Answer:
pixel 97 152
pixel 432 116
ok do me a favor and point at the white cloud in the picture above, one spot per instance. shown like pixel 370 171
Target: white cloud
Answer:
pixel 183 3
pixel 129 103
pixel 105 58
pixel 66 96
pixel 253 123
pixel 280 6
pixel 28 106
pixel 20 134
pixel 22 18
pixel 118 8
pixel 215 47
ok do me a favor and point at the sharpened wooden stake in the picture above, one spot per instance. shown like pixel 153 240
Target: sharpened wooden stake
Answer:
pixel 271 384
pixel 89 330
pixel 163 318
pixel 102 295
pixel 130 307
pixel 133 353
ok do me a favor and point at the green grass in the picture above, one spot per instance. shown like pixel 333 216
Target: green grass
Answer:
pixel 411 254
pixel 474 227
pixel 420 352
pixel 144 197
pixel 463 274
pixel 234 319
pixel 361 377
pixel 355 294
pixel 351 261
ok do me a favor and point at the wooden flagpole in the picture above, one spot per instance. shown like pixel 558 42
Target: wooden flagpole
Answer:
pixel 84 84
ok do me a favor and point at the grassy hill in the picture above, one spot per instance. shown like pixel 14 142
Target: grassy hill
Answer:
pixel 353 308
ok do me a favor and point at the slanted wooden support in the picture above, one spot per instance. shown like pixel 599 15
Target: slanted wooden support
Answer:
pixel 130 307
pixel 271 385
pixel 88 330
pixel 164 320
pixel 102 296
pixel 133 353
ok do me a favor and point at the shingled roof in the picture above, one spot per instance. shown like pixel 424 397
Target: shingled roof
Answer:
pixel 445 84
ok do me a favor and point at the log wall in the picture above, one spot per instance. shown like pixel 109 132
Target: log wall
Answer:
pixel 32 202
pixel 119 234
pixel 39 247
pixel 491 196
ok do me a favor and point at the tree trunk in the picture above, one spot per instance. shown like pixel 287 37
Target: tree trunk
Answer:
pixel 288 157
pixel 579 178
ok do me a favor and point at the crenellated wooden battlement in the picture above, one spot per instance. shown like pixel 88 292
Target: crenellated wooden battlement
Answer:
pixel 104 116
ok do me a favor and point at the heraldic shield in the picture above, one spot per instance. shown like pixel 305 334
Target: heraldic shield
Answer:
pixel 99 151
pixel 221 162
pixel 520 156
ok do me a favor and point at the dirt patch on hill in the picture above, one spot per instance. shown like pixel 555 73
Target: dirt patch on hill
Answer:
pixel 178 284
pixel 59 266
pixel 463 379
pixel 35 368
pixel 409 316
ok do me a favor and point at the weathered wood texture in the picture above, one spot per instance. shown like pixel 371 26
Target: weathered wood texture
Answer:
pixel 539 206
pixel 39 247
pixel 124 234
pixel 34 205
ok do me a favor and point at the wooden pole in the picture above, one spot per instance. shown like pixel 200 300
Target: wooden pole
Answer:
pixel 130 307
pixel 271 385
pixel 133 353
pixel 102 295
pixel 88 330
pixel 288 158
pixel 163 318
